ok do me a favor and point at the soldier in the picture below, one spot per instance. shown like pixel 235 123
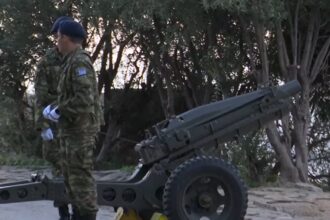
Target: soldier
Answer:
pixel 47 77
pixel 79 117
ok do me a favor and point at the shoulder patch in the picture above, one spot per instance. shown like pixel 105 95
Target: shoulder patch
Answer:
pixel 81 71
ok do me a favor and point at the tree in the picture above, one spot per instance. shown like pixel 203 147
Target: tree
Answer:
pixel 22 43
pixel 176 55
pixel 300 30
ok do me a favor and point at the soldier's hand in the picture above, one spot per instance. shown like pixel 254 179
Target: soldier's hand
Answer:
pixel 51 113
pixel 47 134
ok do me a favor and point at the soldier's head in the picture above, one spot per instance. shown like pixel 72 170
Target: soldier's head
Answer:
pixel 70 36
pixel 56 24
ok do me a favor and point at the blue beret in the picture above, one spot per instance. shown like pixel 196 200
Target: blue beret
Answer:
pixel 56 25
pixel 72 29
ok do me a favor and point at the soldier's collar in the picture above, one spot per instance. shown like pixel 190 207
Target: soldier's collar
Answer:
pixel 67 56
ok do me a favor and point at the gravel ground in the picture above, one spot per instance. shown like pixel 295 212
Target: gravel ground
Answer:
pixel 298 202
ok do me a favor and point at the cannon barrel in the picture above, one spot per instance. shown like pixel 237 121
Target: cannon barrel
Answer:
pixel 217 122
pixel 288 89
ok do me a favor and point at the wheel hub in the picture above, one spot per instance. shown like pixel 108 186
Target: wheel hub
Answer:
pixel 205 200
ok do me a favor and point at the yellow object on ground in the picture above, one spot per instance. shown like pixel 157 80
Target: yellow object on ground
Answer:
pixel 126 215
pixel 131 214
pixel 158 216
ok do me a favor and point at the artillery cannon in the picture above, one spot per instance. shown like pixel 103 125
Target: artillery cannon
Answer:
pixel 173 176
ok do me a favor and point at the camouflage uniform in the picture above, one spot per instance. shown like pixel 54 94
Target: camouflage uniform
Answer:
pixel 79 107
pixel 47 77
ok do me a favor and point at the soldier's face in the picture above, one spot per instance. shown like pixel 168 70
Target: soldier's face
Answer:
pixel 62 43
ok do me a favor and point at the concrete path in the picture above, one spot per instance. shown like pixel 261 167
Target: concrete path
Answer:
pixel 41 211
pixel 298 202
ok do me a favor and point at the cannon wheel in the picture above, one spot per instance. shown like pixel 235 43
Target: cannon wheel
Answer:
pixel 205 188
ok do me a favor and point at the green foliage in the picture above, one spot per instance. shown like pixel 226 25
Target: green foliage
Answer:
pixel 24 37
pixel 321 98
pixel 264 9
pixel 17 135
pixel 253 156
pixel 196 47
pixel 25 25
pixel 9 132
pixel 21 160
pixel 128 169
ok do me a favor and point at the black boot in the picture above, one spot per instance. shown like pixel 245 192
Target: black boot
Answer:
pixel 63 211
pixel 75 213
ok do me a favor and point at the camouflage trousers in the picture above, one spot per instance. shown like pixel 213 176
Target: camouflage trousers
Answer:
pixel 51 153
pixel 77 170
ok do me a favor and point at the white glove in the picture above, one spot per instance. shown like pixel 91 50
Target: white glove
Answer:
pixel 47 134
pixel 51 114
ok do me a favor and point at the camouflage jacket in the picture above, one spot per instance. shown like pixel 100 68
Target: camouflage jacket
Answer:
pixel 46 82
pixel 78 100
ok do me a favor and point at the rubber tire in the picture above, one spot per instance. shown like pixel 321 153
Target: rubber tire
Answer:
pixel 195 167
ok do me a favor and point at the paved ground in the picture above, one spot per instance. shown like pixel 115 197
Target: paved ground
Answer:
pixel 41 211
pixel 298 202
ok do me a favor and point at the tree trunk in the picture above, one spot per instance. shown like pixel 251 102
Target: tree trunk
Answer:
pixel 288 171
pixel 111 138
pixel 301 118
